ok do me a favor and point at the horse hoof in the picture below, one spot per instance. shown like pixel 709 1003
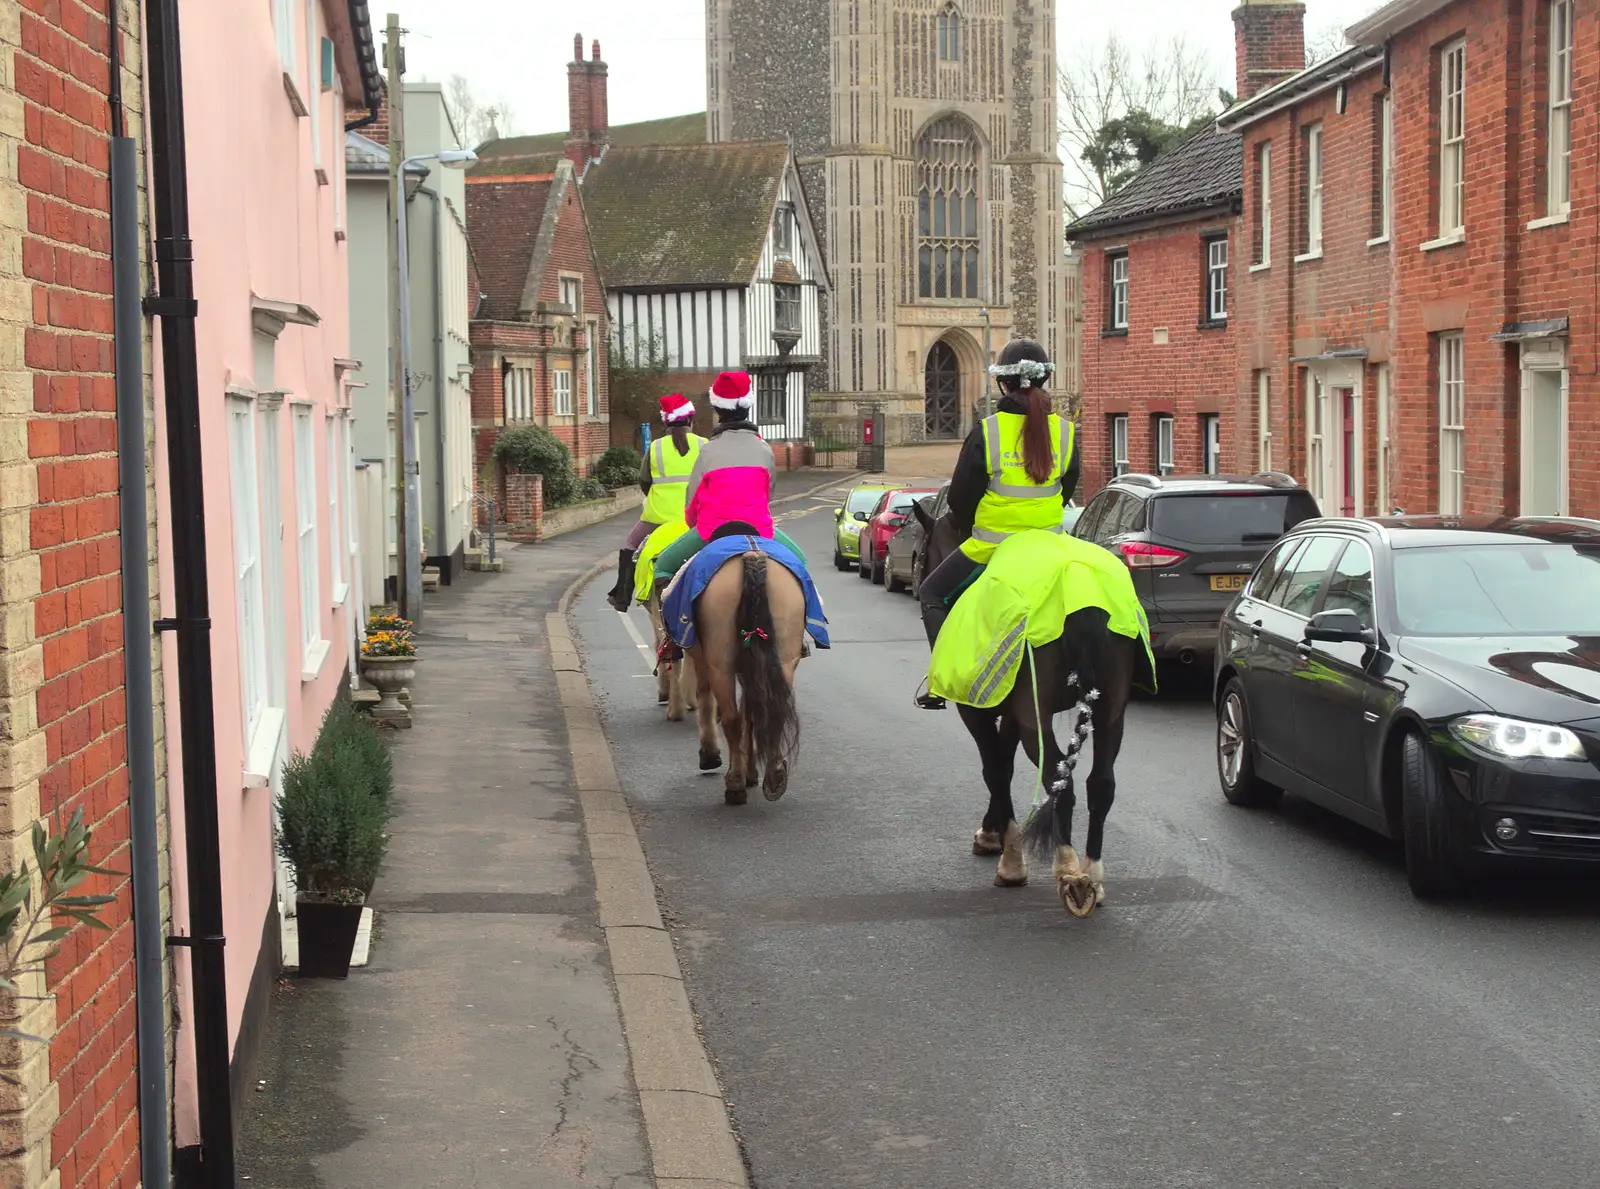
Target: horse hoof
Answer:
pixel 776 784
pixel 751 781
pixel 986 844
pixel 661 699
pixel 1010 881
pixel 1079 895
pixel 735 796
pixel 710 761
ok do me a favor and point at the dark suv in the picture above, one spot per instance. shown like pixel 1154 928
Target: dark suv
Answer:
pixel 1192 542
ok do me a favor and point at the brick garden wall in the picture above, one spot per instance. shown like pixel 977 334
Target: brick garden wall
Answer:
pixel 75 1114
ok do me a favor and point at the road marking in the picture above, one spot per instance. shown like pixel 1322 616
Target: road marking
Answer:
pixel 645 650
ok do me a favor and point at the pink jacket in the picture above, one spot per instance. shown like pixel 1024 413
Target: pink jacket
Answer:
pixel 732 481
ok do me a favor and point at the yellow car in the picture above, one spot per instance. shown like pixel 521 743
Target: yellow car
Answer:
pixel 851 517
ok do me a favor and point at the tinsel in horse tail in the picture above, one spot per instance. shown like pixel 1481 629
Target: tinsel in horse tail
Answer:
pixel 1039 832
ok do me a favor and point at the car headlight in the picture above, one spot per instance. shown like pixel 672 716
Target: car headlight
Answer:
pixel 1517 740
pixel 853 527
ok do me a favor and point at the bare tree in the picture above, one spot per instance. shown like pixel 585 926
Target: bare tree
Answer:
pixel 1325 43
pixel 476 121
pixel 1171 83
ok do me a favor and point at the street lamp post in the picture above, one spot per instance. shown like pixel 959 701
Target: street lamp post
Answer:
pixel 988 359
pixel 410 576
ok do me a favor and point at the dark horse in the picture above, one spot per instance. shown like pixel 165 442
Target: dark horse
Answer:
pixel 1100 660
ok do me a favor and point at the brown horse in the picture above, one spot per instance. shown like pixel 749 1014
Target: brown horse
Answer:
pixel 675 680
pixel 1055 679
pixel 750 624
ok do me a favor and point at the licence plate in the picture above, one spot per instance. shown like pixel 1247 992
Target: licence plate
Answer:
pixel 1229 581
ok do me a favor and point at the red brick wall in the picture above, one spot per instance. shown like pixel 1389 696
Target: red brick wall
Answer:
pixel 1190 374
pixel 1269 42
pixel 60 71
pixel 587 438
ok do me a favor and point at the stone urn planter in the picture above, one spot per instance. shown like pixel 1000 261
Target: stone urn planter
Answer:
pixel 389 675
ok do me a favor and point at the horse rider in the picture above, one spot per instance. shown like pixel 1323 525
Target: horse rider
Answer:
pixel 731 483
pixel 1017 468
pixel 664 479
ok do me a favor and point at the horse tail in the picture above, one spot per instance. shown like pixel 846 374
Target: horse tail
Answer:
pixel 1085 641
pixel 769 709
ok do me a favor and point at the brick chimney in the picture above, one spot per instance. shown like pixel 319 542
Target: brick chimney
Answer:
pixel 1269 39
pixel 588 122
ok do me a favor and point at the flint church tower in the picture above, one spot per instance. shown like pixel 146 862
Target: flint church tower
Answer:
pixel 926 135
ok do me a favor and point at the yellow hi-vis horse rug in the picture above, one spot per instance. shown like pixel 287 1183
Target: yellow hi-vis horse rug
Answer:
pixel 1020 601
pixel 644 574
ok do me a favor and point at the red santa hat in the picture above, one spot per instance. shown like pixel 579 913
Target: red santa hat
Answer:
pixel 732 391
pixel 676 408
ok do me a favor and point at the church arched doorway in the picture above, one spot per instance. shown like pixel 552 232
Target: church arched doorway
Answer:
pixel 941 392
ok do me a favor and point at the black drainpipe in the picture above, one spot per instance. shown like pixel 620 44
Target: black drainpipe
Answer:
pixel 174 304
pixel 149 962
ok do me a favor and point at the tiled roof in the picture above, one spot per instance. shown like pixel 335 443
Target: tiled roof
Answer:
pixel 538 154
pixel 1203 173
pixel 504 218
pixel 364 155
pixel 683 215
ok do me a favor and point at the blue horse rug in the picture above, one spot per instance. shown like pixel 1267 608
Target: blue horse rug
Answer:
pixel 677 610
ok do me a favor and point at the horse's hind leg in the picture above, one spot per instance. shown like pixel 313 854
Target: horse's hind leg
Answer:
pixel 998 835
pixel 705 718
pixel 735 789
pixel 1108 715
pixel 688 681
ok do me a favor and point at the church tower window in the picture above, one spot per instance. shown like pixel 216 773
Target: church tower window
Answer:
pixel 947 211
pixel 950 34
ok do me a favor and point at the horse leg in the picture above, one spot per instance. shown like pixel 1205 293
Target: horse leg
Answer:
pixel 687 682
pixel 705 715
pixel 1108 715
pixel 999 834
pixel 734 786
pixel 752 763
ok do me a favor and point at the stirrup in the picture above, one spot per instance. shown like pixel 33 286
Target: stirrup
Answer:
pixel 926 700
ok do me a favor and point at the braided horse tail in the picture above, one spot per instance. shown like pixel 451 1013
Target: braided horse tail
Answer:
pixel 768 699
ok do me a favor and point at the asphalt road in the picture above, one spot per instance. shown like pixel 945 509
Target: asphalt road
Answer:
pixel 1260 1003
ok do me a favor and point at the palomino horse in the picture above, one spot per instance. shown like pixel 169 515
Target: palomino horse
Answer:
pixel 750 623
pixel 675 680
pixel 1099 659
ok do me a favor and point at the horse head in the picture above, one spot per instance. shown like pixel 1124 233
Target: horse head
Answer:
pixel 940 535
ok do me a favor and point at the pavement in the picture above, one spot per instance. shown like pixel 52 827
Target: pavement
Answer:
pixel 1260 1003
pixel 483 1045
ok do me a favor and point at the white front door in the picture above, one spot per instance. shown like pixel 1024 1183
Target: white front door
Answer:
pixel 1544 441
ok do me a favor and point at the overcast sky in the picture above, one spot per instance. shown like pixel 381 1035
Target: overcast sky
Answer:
pixel 518 49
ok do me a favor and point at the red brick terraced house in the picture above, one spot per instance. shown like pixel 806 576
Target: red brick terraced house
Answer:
pixel 1312 285
pixel 1495 249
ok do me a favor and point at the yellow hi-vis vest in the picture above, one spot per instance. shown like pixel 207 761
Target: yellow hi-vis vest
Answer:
pixel 669 479
pixel 1014 503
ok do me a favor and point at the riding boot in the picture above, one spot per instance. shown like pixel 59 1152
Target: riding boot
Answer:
pixel 932 620
pixel 621 595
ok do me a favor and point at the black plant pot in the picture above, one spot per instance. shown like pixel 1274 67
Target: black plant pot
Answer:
pixel 327 937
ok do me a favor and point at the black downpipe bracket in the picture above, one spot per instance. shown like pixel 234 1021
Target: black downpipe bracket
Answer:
pixel 175 307
pixel 149 950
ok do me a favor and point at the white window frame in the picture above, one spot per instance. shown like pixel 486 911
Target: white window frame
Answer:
pixel 1217 279
pixel 1313 167
pixel 1452 423
pixel 1385 171
pixel 1453 140
pixel 561 392
pixel 591 338
pixel 313 92
pixel 1317 438
pixel 1211 443
pixel 1554 363
pixel 1264 154
pixel 1264 419
pixel 255 695
pixel 283 30
pixel 1558 191
pixel 306 509
pixel 1119 445
pixel 337 586
pixel 1384 507
pixel 572 294
pixel 519 393
pixel 1119 291
pixel 1166 444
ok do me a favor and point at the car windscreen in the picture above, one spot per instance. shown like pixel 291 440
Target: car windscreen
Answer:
pixel 864 500
pixel 1532 588
pixel 900 505
pixel 1225 518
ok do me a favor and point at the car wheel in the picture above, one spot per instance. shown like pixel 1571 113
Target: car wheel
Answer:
pixel 890 583
pixel 1433 859
pixel 916 576
pixel 861 562
pixel 1236 759
pixel 878 571
pixel 839 561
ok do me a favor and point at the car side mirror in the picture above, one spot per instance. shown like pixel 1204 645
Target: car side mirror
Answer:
pixel 838 514
pixel 862 517
pixel 1341 626
pixel 896 521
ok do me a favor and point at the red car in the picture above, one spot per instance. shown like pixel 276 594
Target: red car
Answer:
pixel 887 516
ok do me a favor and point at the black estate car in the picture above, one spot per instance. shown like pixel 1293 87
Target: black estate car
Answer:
pixel 1435 679
pixel 1191 541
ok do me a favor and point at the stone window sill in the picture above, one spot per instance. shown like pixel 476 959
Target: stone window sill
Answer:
pixel 292 89
pixel 1550 221
pixel 311 666
pixel 1307 257
pixel 1114 332
pixel 1446 241
pixel 1378 241
pixel 1212 324
pixel 263 749
pixel 1262 267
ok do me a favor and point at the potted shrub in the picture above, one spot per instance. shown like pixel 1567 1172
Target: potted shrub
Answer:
pixel 388 661
pixel 332 830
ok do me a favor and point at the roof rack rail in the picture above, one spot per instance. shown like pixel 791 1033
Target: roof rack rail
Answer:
pixel 1274 479
pixel 1142 480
